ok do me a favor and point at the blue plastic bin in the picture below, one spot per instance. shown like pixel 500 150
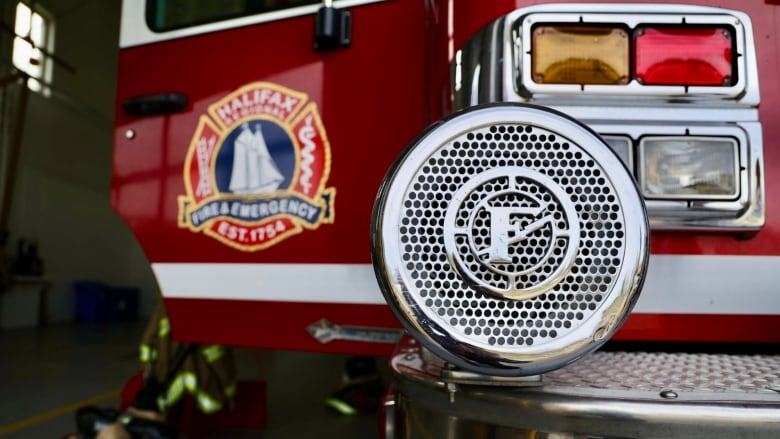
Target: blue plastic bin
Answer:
pixel 92 302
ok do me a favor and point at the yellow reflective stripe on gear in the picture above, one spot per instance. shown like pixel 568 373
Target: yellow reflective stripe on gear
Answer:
pixel 189 382
pixel 213 353
pixel 230 390
pixel 207 404
pixel 164 327
pixel 340 406
pixel 183 381
pixel 161 404
pixel 147 354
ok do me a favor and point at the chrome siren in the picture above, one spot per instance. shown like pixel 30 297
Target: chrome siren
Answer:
pixel 510 240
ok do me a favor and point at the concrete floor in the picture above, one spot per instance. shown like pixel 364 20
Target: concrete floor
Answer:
pixel 47 373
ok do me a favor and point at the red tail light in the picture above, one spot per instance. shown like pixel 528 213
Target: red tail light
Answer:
pixel 684 56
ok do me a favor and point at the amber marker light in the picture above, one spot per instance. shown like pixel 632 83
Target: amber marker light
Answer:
pixel 690 56
pixel 576 54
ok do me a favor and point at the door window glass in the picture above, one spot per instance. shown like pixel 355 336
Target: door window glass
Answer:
pixel 33 45
pixel 164 15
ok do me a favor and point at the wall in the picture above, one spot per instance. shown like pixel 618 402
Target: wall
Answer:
pixel 62 192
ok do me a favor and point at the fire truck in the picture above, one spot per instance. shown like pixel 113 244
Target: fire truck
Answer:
pixel 494 182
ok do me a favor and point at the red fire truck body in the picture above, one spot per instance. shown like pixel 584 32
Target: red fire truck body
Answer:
pixel 204 101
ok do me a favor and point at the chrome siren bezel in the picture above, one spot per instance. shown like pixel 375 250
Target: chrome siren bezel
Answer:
pixel 398 286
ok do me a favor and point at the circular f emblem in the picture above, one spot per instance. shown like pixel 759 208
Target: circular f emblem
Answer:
pixel 511 232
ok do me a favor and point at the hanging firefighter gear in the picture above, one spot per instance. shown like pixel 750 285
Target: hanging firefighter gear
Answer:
pixel 173 370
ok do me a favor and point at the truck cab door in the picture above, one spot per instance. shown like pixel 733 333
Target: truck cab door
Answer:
pixel 246 162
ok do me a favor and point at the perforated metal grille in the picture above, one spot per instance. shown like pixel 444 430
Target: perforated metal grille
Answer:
pixel 512 233
pixel 483 318
pixel 681 372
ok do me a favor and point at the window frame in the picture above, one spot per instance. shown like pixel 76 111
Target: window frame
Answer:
pixel 134 30
pixel 152 5
pixel 40 76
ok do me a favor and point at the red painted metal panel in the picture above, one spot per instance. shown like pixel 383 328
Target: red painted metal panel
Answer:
pixel 276 325
pixel 373 98
pixel 701 328
pixel 370 97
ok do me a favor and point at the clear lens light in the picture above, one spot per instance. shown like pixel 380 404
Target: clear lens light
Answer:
pixel 689 168
pixel 622 147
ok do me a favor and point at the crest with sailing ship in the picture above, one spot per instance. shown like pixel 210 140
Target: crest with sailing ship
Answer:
pixel 256 169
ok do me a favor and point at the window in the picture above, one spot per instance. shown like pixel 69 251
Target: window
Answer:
pixel 165 15
pixel 34 39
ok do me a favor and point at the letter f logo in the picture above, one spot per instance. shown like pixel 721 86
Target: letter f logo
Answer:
pixel 511 232
pixel 506 229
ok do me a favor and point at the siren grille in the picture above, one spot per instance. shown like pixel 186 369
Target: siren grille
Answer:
pixel 509 239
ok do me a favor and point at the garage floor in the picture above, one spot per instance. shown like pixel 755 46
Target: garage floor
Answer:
pixel 47 373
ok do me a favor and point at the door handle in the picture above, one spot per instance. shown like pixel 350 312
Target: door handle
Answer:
pixel 325 331
pixel 152 105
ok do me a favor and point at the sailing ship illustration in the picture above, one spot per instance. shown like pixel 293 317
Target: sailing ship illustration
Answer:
pixel 254 170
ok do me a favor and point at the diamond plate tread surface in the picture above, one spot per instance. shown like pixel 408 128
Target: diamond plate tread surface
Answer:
pixel 682 372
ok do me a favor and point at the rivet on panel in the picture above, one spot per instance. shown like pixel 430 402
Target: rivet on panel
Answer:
pixel 669 394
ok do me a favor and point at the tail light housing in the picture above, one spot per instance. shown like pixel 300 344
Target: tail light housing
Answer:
pixel 660 55
pixel 629 54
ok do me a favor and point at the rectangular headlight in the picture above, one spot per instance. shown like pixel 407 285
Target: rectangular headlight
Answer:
pixel 689 168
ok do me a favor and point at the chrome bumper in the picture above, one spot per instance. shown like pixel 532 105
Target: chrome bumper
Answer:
pixel 604 395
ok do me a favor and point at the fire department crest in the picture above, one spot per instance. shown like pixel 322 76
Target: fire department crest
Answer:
pixel 256 169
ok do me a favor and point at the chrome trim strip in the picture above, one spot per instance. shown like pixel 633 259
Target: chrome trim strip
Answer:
pixel 325 331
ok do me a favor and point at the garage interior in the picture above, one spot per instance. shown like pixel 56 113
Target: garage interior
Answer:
pixel 61 234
